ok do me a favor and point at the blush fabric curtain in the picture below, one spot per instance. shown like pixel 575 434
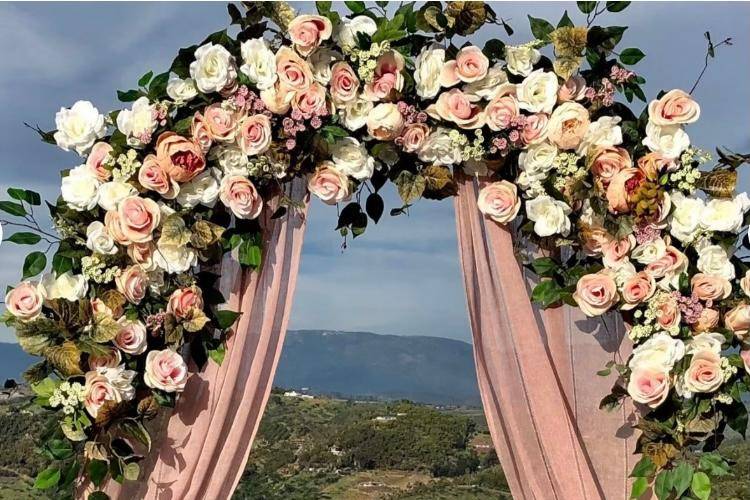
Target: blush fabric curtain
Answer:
pixel 537 373
pixel 202 451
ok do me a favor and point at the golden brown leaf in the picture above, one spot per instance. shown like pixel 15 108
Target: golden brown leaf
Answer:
pixel 466 17
pixel 660 453
pixel 66 358
pixel 204 234
pixel 110 411
pixel 105 328
pixel 720 183
pixel 174 232
pixel 148 407
pixel 565 66
pixel 569 41
pixel 115 301
pixel 410 186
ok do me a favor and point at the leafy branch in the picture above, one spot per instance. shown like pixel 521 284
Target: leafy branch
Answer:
pixel 710 54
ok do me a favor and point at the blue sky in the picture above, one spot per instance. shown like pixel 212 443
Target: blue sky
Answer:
pixel 402 277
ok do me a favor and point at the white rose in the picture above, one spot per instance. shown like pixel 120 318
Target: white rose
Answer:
pixel 706 341
pixel 538 92
pixel 550 216
pixel 351 158
pixel 66 286
pixel 649 252
pixel 202 190
pixel 80 189
pixel 669 140
pixel 321 61
pixel 231 159
pixel 537 160
pixel 98 239
pixel 685 222
pixel 181 91
pixel 346 32
pixel 112 193
pixel 439 149
pixel 213 68
pixel 661 350
pixel 165 370
pixel 491 85
pixel 743 200
pixel 259 63
pixel 722 215
pixel 174 259
pixel 604 132
pixel 521 60
pixel 138 123
pixel 354 115
pixel 427 69
pixel 79 127
pixel 713 259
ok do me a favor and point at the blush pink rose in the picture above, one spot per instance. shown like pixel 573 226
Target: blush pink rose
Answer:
pixel 704 373
pixel 308 31
pixel 328 184
pixel 199 132
pixel 615 252
pixel 255 134
pixel 294 72
pixel 746 359
pixel 132 283
pixel 413 137
pixel 132 338
pixel 637 289
pixel 654 164
pixel 596 293
pixel 535 129
pixel 181 158
pixel 471 64
pixel 277 99
pixel 707 321
pixel 112 359
pixel 344 83
pixel 241 197
pixel 221 123
pixel 138 218
pixel 606 162
pixel 457 107
pixel 98 390
pixel 500 112
pixel 567 125
pixel 499 201
pixel 311 101
pixel 166 371
pixel 708 287
pixel 387 78
pixel 183 301
pixel 113 225
pixel 142 254
pixel 676 107
pixel 95 161
pixel 668 313
pixel 738 321
pixel 152 176
pixel 25 301
pixel 672 263
pixel 573 89
pixel 649 385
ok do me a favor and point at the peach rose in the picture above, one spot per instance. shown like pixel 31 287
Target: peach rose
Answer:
pixel 676 107
pixel 654 164
pixel 153 177
pixel 500 112
pixel 138 218
pixel 142 254
pixel 131 338
pixel 667 312
pixel 620 188
pixel 637 289
pixel 184 300
pixel 459 108
pixel 573 89
pixel 385 122
pixel 707 321
pixel 182 159
pixel 499 201
pixel 471 64
pixel 25 301
pixel 255 134
pixel 413 137
pixel 615 252
pixel 199 132
pixel 328 184
pixel 535 129
pixel 221 123
pixel 606 162
pixel 746 359
pixel 308 31
pixel 112 359
pixel 311 101
pixel 567 125
pixel 95 161
pixel 738 320
pixel 113 225
pixel 294 72
pixel 745 283
pixel 132 283
pixel 387 78
pixel 704 373
pixel 709 287
pixel 649 385
pixel 166 371
pixel 596 293
pixel 344 83
pixel 241 197
pixel 671 264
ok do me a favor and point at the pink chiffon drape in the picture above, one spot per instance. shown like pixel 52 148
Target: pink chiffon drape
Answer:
pixel 537 374
pixel 203 450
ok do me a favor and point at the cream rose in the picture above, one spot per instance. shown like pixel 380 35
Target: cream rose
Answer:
pixel 704 373
pixel 722 215
pixel 745 284
pixel 25 301
pixel 706 341
pixel 202 190
pixel 328 184
pixel 241 197
pixel 132 337
pixel 308 31
pixel 676 107
pixel 385 122
pixel 231 160
pixel 259 63
pixel 79 127
pixel 709 288
pixel 537 160
pixel 440 149
pixel 596 293
pixel 684 223
pixel 347 30
pixel 213 68
pixel 499 201
pixel 166 371
pixel 355 114
pixel 80 189
pixel 428 70
pixel 181 91
pixel 68 286
pixel 351 158
pixel 132 283
pixel 143 255
pixel 669 140
pixel 493 84
pixel 521 59
pixel 707 321
pixel 113 192
pixel 568 125
pixel 138 123
pixel 550 216
pixel 660 350
pixel 98 240
pixel 713 259
pixel 604 132
pixel 538 92
pixel 649 385
pixel 174 259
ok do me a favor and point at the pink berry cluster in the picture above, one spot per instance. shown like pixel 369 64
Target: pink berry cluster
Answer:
pixel 604 96
pixel 690 307
pixel 621 75
pixel 646 233
pixel 411 113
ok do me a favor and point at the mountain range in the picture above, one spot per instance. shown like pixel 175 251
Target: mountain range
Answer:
pixel 431 370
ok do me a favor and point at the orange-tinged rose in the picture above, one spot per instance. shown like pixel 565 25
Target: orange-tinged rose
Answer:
pixel 182 159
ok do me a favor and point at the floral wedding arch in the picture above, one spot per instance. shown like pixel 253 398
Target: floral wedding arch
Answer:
pixel 176 180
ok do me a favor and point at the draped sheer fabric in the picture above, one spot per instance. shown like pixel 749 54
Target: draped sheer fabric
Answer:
pixel 203 450
pixel 537 373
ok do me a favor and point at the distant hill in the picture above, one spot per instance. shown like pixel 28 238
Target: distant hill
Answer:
pixel 423 369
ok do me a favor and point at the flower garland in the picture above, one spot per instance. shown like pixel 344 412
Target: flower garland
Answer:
pixel 178 178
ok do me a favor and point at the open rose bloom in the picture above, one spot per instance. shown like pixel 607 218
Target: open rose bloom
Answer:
pixel 634 225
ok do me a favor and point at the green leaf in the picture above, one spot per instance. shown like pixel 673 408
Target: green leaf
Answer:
pixel 631 56
pixel 617 6
pixel 323 7
pixel 374 207
pixel 714 464
pixel 60 449
pixel 544 267
pixel 682 475
pixel 640 485
pixel 131 471
pixel 34 264
pixel 128 95
pixel 47 479
pixel 45 388
pixel 137 431
pixel 30 197
pixel 565 21
pixel 546 293
pixel 12 208
pixel 663 484
pixel 644 468
pixel 249 254
pixel 494 49
pixel 97 471
pixel 24 238
pixel 355 7
pixel 157 89
pixel 217 354
pixel 586 7
pixel 701 485
pixel 143 81
pixel 332 132
pixel 225 318
pixel 540 28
